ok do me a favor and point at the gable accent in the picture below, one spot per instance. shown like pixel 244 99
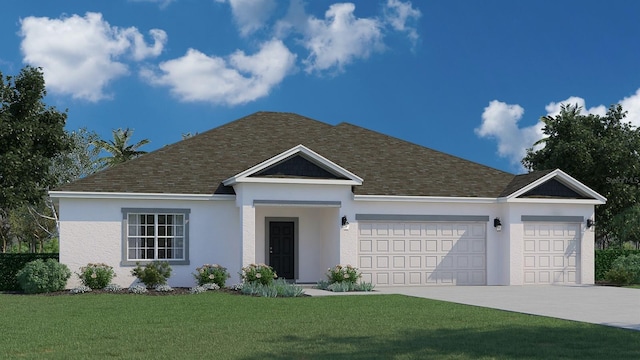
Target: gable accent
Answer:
pixel 341 176
pixel 552 188
pixel 297 166
pixel 587 195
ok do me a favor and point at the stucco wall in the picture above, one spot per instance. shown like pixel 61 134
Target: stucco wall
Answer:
pixel 91 231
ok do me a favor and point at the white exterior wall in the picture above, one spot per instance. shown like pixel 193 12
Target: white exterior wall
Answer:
pixel 91 231
pixel 516 232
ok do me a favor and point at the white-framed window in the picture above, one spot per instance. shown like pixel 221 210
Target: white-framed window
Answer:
pixel 155 234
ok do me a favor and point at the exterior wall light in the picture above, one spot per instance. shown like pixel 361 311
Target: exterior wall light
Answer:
pixel 497 224
pixel 590 223
pixel 345 222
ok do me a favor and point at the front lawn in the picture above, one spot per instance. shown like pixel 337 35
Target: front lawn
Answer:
pixel 217 325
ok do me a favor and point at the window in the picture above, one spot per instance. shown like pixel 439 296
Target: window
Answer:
pixel 155 234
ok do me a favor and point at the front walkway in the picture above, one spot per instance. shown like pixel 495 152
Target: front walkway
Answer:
pixel 603 305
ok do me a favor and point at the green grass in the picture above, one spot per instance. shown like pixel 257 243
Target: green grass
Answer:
pixel 223 326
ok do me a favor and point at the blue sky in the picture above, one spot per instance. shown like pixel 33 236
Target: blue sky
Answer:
pixel 470 78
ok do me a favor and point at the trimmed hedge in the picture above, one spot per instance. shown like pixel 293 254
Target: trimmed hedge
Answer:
pixel 605 258
pixel 10 264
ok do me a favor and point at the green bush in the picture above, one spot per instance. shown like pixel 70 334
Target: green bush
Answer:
pixel 211 274
pixel 10 264
pixel 619 276
pixel 339 274
pixel 278 288
pixel 631 264
pixel 258 273
pixel 43 276
pixel 152 274
pixel 96 276
pixel 604 260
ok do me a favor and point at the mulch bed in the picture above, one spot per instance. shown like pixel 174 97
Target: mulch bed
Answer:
pixel 125 291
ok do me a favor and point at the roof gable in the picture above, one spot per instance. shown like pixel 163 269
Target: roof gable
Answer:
pixel 551 184
pixel 298 164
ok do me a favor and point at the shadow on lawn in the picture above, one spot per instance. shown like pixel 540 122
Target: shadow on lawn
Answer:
pixel 575 341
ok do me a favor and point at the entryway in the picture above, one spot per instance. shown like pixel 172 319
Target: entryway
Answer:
pixel 282 248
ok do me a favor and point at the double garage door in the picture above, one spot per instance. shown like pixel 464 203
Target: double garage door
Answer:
pixel 413 253
pixel 454 253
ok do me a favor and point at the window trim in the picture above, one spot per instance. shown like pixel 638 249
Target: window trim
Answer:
pixel 153 211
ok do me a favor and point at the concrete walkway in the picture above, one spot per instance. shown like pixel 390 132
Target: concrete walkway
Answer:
pixel 611 306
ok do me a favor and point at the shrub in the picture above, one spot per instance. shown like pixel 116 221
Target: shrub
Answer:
pixel 138 289
pixel 211 274
pixel 113 288
pixel 604 260
pixel 10 264
pixel 197 290
pixel 210 286
pixel 152 274
pixel 619 276
pixel 163 288
pixel 278 288
pixel 258 273
pixel 80 289
pixel 339 273
pixel 96 276
pixel 631 264
pixel 43 276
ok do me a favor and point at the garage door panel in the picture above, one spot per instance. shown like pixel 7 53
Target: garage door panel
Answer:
pixel 551 253
pixel 423 253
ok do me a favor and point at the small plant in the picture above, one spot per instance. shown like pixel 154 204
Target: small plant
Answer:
pixel 342 279
pixel 210 286
pixel 43 276
pixel 138 289
pixel 278 288
pixel 339 273
pixel 285 289
pixel 80 289
pixel 619 276
pixel 113 288
pixel 96 276
pixel 258 273
pixel 197 290
pixel 211 274
pixel 163 288
pixel 152 274
pixel 237 287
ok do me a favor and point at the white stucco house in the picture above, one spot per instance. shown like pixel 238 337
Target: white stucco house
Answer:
pixel 302 195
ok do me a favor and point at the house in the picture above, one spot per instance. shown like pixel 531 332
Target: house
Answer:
pixel 302 196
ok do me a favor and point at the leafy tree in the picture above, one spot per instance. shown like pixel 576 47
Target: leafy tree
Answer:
pixel 80 160
pixel 31 135
pixel 119 149
pixel 603 152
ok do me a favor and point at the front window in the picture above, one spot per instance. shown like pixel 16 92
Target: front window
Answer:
pixel 159 234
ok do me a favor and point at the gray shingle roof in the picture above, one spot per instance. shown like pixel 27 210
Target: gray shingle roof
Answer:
pixel 389 166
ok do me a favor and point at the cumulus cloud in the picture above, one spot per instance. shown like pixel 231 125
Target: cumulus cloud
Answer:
pixel 250 15
pixel 340 38
pixel 236 79
pixel 500 122
pixel 402 17
pixel 79 55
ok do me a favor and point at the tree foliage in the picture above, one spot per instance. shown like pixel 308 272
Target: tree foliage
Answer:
pixel 31 135
pixel 603 152
pixel 119 148
pixel 80 159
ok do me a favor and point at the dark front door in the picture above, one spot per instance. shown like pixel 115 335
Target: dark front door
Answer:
pixel 281 248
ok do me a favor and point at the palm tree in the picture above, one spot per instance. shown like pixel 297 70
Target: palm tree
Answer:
pixel 118 148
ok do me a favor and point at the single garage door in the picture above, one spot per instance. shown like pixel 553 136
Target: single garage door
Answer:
pixel 551 253
pixel 409 253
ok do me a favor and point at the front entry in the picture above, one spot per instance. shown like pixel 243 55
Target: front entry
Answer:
pixel 282 248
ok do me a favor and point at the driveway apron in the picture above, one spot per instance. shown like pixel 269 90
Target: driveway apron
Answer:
pixel 603 305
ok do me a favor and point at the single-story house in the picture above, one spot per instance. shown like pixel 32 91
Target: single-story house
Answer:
pixel 302 196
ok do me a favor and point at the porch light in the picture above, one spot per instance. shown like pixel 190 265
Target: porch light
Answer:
pixel 497 224
pixel 590 223
pixel 345 222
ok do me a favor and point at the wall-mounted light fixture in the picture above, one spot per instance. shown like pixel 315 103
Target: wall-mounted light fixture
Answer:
pixel 590 223
pixel 497 224
pixel 345 222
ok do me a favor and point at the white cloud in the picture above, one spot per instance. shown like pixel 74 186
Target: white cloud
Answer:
pixel 402 17
pixel 163 3
pixel 237 79
pixel 500 122
pixel 340 38
pixel 631 104
pixel 553 108
pixel 250 15
pixel 79 55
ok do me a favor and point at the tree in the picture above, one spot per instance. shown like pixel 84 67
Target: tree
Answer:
pixel 118 148
pixel 603 152
pixel 80 159
pixel 31 135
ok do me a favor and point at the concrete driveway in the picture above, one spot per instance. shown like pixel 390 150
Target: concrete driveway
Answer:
pixel 611 306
